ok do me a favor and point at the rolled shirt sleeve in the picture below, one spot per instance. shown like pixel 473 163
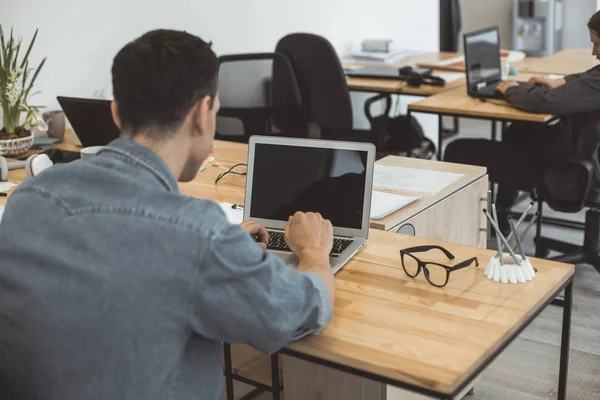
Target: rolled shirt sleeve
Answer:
pixel 246 295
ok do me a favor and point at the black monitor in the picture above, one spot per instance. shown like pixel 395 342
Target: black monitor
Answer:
pixel 482 58
pixel 91 120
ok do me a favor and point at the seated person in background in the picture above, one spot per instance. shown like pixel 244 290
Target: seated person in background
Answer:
pixel 113 285
pixel 525 146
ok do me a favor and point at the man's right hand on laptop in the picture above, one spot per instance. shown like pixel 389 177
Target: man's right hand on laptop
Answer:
pixel 310 237
pixel 309 233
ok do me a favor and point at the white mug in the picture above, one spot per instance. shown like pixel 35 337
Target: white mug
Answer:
pixel 89 152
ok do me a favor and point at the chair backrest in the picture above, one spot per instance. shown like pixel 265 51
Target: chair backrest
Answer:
pixel 248 105
pixel 322 82
pixel 570 183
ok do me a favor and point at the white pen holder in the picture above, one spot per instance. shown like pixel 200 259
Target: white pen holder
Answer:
pixel 511 271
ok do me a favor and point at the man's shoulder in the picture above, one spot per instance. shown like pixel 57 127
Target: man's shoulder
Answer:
pixel 69 188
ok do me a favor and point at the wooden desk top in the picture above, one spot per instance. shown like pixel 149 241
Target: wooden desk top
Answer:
pixel 407 330
pixel 457 102
pixel 231 189
pixel 565 62
pixel 398 86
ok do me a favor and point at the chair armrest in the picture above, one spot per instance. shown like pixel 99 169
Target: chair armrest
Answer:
pixel 372 100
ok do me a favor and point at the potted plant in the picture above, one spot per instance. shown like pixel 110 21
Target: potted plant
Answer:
pixel 16 82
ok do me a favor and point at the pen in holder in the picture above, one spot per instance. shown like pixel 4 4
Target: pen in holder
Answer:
pixel 511 267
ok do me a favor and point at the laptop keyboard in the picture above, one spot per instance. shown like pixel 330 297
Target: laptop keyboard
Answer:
pixel 277 242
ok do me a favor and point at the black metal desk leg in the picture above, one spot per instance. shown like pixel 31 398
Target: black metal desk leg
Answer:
pixel 565 343
pixel 456 125
pixel 228 371
pixel 538 230
pixel 493 130
pixel 440 154
pixel 275 376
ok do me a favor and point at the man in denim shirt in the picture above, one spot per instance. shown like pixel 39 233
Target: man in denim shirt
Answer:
pixel 113 285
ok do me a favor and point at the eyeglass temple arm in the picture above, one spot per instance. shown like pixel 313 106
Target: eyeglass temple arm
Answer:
pixel 465 264
pixel 421 249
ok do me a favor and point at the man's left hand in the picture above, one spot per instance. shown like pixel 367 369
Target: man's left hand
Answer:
pixel 257 230
pixel 503 87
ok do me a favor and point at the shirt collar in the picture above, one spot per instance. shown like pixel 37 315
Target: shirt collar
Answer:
pixel 144 157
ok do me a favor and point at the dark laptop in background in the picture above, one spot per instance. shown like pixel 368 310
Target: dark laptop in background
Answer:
pixel 91 120
pixel 482 62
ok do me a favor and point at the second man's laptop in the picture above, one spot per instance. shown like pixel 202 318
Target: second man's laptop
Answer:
pixel 91 120
pixel 329 177
pixel 483 63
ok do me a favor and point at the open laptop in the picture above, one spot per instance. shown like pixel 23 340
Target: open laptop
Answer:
pixel 482 62
pixel 91 120
pixel 333 178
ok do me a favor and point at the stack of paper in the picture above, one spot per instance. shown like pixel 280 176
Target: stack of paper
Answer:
pixel 412 180
pixel 5 186
pixel 388 57
pixel 383 204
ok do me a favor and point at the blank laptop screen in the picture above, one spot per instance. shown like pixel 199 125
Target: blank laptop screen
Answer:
pixel 287 179
pixel 483 57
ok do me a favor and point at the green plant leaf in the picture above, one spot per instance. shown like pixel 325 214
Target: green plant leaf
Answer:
pixel 25 58
pixel 9 52
pixel 14 66
pixel 37 71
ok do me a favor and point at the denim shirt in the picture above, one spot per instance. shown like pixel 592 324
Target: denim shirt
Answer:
pixel 113 285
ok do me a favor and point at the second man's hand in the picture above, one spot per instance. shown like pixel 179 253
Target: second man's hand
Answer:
pixel 504 86
pixel 257 230
pixel 546 82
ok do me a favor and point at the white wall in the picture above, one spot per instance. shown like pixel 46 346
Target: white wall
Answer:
pixel 80 37
pixel 577 15
pixel 478 14
pixel 481 13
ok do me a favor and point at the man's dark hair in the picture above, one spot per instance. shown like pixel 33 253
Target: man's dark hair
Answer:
pixel 159 77
pixel 594 23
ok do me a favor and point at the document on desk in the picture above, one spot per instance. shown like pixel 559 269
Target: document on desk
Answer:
pixel 5 186
pixel 383 204
pixel 412 180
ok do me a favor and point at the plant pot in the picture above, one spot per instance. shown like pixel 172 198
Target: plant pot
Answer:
pixel 16 147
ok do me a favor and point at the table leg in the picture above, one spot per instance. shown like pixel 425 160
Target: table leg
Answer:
pixel 538 230
pixel 565 342
pixel 493 130
pixel 228 371
pixel 456 125
pixel 440 137
pixel 275 383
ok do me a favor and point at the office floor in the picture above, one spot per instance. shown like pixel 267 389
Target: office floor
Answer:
pixel 528 369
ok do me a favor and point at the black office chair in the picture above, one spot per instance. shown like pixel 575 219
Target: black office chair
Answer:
pixel 324 91
pixel 249 106
pixel 570 185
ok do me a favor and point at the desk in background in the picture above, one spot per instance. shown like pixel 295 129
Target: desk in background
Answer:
pixel 457 103
pixel 400 87
pixel 564 62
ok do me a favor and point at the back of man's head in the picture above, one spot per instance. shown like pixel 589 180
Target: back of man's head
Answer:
pixel 158 78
